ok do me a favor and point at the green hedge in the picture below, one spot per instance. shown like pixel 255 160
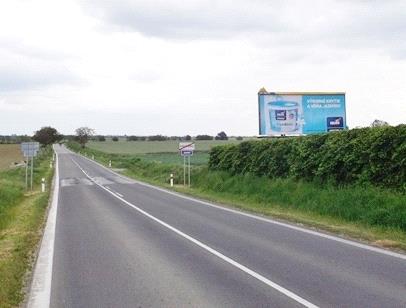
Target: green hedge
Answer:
pixel 366 155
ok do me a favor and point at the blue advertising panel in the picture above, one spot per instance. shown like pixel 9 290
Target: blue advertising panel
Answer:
pixel 300 113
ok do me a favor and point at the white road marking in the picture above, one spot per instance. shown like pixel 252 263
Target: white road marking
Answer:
pixel 40 293
pixel 241 267
pixel 268 220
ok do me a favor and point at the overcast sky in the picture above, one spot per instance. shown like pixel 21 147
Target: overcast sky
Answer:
pixel 191 67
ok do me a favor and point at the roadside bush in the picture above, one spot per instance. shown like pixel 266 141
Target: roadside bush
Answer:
pixel 363 156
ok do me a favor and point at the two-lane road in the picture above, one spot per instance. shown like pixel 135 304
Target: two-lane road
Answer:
pixel 121 243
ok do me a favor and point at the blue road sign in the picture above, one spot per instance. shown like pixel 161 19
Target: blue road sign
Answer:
pixel 186 153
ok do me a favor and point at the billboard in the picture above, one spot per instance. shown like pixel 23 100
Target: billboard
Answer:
pixel 295 114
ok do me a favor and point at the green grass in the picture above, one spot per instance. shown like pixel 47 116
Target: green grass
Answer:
pixel 144 147
pixel 366 212
pixel 21 218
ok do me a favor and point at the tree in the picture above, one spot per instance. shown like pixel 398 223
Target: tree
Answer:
pixel 378 123
pixel 204 137
pixel 132 138
pixel 83 134
pixel 188 137
pixel 157 138
pixel 221 136
pixel 47 135
pixel 101 138
pixel 114 138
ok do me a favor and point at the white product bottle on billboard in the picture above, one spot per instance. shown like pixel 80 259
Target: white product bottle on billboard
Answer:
pixel 283 116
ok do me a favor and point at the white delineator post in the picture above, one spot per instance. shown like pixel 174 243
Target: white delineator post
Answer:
pixel 93 157
pixel 43 184
pixel 109 163
pixel 171 180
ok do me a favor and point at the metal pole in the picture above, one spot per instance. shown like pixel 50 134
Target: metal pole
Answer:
pixel 184 171
pixel 189 169
pixel 26 172
pixel 32 169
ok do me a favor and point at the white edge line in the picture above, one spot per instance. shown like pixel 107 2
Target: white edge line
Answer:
pixel 268 220
pixel 241 267
pixel 40 293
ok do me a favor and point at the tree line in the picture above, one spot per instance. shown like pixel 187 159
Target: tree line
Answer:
pixel 49 135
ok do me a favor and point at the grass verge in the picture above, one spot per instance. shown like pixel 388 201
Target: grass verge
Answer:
pixel 365 213
pixel 21 220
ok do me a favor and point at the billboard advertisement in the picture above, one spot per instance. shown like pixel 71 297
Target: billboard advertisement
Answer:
pixel 295 114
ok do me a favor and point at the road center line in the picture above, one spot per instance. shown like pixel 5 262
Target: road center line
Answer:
pixel 241 267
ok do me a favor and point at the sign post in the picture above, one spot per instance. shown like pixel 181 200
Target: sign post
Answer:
pixel 26 172
pixel 189 169
pixel 30 150
pixel 186 150
pixel 32 169
pixel 184 170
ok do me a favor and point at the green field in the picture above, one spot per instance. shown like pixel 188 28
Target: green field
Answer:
pixel 9 154
pixel 144 147
pixel 159 151
pixel 198 158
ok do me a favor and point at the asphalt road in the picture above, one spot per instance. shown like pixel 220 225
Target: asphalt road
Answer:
pixel 120 243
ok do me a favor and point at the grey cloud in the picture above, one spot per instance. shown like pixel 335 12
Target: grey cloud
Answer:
pixel 145 76
pixel 25 67
pixel 14 47
pixel 187 20
pixel 18 78
pixel 359 24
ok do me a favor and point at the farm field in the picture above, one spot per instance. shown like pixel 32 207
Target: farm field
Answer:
pixel 146 147
pixel 9 154
pixel 198 158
